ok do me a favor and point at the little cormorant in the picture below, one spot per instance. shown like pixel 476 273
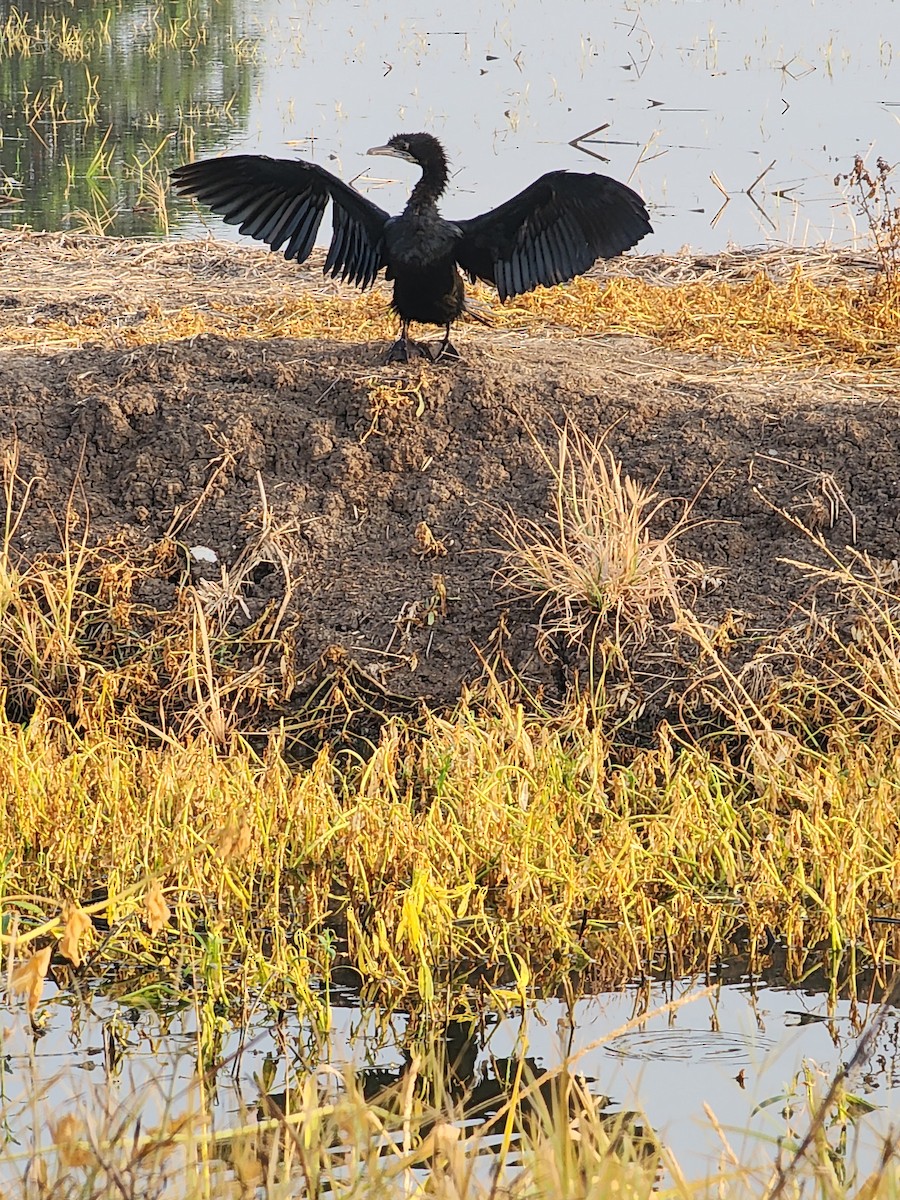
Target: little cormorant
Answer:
pixel 555 229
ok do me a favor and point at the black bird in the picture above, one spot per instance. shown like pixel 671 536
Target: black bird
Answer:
pixel 553 230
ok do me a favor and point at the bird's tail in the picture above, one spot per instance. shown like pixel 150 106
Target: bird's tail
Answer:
pixel 475 311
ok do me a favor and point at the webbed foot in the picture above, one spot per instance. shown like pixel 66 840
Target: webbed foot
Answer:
pixel 447 350
pixel 405 348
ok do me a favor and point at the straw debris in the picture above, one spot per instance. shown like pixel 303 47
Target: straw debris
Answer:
pixel 773 310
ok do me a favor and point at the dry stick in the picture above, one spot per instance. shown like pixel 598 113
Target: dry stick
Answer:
pixel 180 518
pixel 749 191
pixel 860 1055
pixel 576 142
pixel 717 183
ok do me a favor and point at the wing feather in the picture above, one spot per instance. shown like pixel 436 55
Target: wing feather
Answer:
pixel 544 272
pixel 516 272
pixel 278 200
pixel 262 218
pixel 303 239
pixel 278 229
pixel 555 229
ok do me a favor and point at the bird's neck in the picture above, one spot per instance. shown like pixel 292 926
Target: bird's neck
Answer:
pixel 430 187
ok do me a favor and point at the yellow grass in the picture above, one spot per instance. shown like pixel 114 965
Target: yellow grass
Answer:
pixel 486 833
pixel 597 557
pixel 497 832
pixel 797 322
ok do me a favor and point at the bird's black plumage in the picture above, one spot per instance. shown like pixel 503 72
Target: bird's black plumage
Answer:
pixel 552 231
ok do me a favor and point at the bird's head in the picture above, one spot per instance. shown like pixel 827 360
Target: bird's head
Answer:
pixel 426 152
pixel 420 148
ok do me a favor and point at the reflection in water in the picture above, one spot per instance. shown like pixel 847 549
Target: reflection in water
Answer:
pixel 101 99
pixel 447 1077
pixel 742 1042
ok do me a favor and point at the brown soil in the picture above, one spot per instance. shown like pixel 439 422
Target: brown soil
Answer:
pixel 144 436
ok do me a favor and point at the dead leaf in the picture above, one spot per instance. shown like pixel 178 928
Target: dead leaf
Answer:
pixel 427 545
pixel 234 841
pixel 243 842
pixel 68 1137
pixel 77 924
pixel 28 978
pixel 156 909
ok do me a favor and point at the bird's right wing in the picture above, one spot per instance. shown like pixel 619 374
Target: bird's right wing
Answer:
pixel 278 200
pixel 552 231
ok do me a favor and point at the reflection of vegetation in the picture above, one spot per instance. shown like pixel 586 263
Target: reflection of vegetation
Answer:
pixel 105 98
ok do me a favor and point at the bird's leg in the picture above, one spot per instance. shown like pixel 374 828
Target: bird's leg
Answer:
pixel 404 348
pixel 446 348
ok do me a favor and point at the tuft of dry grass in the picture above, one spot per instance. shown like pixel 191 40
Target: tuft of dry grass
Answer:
pixel 598 556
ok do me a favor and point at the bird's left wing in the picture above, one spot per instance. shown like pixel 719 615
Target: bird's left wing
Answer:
pixel 552 231
pixel 282 200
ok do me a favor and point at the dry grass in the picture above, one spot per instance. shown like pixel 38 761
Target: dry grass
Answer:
pixel 149 745
pixel 484 834
pixel 775 324
pixel 765 313
pixel 149 770
pixel 598 557
pixel 83 640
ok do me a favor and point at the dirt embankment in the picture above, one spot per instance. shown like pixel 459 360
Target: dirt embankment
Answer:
pixel 389 500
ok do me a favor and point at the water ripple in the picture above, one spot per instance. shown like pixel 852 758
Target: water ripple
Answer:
pixel 689 1045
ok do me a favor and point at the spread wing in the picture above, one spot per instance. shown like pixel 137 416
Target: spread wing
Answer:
pixel 553 230
pixel 282 200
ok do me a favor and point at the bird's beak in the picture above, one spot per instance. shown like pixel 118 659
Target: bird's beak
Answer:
pixel 391 152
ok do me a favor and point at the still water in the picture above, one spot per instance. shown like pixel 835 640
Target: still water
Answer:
pixel 737 1048
pixel 733 118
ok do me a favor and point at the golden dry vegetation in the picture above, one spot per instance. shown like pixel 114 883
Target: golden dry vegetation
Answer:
pixel 778 311
pixel 499 829
pixel 463 856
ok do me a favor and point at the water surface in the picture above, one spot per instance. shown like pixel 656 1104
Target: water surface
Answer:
pixel 745 105
pixel 738 1048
